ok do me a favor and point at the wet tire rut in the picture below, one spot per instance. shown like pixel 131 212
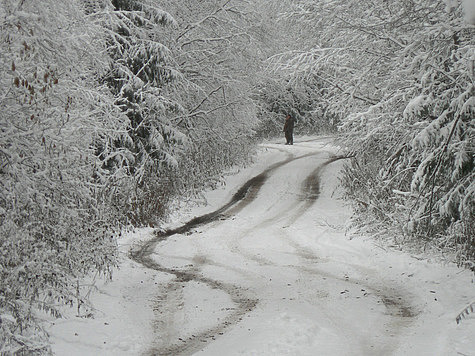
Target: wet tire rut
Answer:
pixel 398 308
pixel 244 303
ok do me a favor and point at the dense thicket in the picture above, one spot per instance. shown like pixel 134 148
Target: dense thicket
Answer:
pixel 54 221
pixel 110 109
pixel 278 91
pixel 141 77
pixel 400 75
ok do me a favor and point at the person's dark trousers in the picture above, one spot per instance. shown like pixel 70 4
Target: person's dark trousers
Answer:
pixel 289 138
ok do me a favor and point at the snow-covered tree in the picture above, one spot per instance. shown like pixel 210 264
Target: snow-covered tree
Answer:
pixel 141 76
pixel 400 73
pixel 213 48
pixel 55 225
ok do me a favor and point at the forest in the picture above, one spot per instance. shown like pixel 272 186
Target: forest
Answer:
pixel 111 110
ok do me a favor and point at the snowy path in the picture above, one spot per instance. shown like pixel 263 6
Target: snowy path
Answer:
pixel 271 272
pixel 290 287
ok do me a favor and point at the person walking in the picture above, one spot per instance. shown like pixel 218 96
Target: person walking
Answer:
pixel 289 130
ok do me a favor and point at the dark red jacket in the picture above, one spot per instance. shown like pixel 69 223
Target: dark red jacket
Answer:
pixel 289 124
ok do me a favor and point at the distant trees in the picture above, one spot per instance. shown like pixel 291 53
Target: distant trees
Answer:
pixel 400 75
pixel 279 95
pixel 284 86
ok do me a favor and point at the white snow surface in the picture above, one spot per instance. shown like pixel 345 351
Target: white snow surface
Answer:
pixel 469 10
pixel 314 287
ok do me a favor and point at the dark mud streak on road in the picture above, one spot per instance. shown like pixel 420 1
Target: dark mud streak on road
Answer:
pixel 191 345
pixel 311 184
pixel 310 190
pixel 245 195
pixel 397 306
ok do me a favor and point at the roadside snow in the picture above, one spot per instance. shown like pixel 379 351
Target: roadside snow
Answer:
pixel 121 322
pixel 319 290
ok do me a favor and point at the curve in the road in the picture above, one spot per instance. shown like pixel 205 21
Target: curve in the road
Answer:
pixel 395 304
pixel 245 195
pixel 310 191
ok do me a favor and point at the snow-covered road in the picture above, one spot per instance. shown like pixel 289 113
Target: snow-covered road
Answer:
pixel 270 271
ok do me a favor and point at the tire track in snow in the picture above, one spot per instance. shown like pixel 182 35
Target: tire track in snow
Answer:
pixel 394 302
pixel 400 310
pixel 397 306
pixel 311 188
pixel 244 196
pixel 173 293
pixel 310 191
